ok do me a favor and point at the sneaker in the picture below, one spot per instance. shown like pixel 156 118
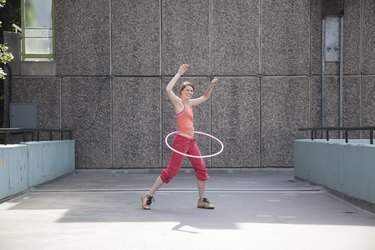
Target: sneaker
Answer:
pixel 146 201
pixel 205 203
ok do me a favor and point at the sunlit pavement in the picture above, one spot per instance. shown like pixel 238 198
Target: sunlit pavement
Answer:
pixel 255 209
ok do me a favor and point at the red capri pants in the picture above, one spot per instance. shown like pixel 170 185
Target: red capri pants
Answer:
pixel 187 146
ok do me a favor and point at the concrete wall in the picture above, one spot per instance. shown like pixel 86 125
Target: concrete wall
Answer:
pixel 114 59
pixel 33 163
pixel 345 168
pixel 13 169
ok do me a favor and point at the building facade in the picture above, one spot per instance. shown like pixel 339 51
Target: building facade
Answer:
pixel 114 59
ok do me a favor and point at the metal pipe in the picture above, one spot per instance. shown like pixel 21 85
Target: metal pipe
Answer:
pixel 10 92
pixel 341 114
pixel 323 74
pixel 346 135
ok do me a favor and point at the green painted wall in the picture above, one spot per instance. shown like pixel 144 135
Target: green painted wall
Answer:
pixel 32 163
pixel 13 169
pixel 346 168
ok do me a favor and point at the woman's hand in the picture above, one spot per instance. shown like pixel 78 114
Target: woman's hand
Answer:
pixel 214 81
pixel 183 69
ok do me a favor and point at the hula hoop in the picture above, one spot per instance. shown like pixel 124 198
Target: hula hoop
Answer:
pixel 195 156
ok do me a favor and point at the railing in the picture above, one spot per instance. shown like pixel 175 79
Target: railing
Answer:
pixel 313 131
pixel 34 132
pixel 17 29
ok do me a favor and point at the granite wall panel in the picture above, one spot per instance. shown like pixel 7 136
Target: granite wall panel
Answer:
pixel 316 36
pixel 185 36
pixel 235 37
pixel 352 104
pixel 368 36
pixel 368 102
pixel 352 34
pixel 136 37
pixel 136 123
pixel 285 37
pixel 235 121
pixel 45 93
pixel 284 109
pixel 86 108
pixel 202 118
pixel 331 104
pixel 315 100
pixel 83 37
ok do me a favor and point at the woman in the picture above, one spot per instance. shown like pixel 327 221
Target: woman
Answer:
pixel 184 140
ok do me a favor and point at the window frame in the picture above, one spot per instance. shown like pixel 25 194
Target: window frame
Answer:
pixel 34 57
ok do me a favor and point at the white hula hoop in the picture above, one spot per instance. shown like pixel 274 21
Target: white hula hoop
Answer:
pixel 195 156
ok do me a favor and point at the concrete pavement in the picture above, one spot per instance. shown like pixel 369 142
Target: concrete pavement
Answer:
pixel 255 209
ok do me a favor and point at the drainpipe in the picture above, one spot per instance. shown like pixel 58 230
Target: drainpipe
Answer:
pixel 341 115
pixel 323 82
pixel 10 85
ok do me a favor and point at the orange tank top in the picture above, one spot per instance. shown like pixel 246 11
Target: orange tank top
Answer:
pixel 185 120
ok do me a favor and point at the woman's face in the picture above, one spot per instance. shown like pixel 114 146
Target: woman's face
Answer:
pixel 187 92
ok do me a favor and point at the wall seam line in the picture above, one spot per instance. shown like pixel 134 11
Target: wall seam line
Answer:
pixel 260 161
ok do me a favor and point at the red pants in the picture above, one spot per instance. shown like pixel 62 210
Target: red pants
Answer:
pixel 187 146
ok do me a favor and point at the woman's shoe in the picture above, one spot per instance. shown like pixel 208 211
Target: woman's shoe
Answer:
pixel 205 203
pixel 146 201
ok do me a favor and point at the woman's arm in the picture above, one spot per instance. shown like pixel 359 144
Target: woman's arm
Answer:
pixel 171 95
pixel 206 95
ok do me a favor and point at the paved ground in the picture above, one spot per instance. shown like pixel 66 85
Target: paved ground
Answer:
pixel 255 209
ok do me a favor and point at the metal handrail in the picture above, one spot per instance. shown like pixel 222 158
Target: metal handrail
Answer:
pixel 35 132
pixel 345 129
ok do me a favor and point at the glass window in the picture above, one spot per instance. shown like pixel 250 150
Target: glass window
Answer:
pixel 38 30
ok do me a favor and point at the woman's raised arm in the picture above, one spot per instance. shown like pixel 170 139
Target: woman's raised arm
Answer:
pixel 206 95
pixel 171 95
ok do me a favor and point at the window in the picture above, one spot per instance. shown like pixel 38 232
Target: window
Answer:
pixel 38 36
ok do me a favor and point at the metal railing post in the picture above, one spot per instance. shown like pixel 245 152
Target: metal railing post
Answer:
pixel 346 136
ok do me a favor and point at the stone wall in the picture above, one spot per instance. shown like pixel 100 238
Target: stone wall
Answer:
pixel 114 59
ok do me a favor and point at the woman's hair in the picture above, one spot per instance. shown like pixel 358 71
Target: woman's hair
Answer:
pixel 184 85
